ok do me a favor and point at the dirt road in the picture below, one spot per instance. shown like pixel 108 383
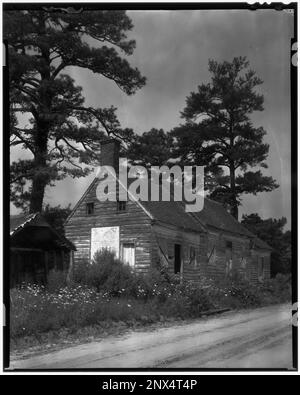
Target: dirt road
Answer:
pixel 260 338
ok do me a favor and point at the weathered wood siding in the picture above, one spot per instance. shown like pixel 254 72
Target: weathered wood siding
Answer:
pixel 168 236
pixel 218 263
pixel 211 248
pixel 135 227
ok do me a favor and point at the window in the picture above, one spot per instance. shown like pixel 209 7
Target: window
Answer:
pixel 243 263
pixel 90 208
pixel 228 257
pixel 128 254
pixel 121 206
pixel 229 245
pixel 193 256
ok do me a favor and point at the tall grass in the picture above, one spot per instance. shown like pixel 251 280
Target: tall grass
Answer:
pixel 107 291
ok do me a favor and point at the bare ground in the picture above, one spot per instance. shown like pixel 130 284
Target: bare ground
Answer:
pixel 259 338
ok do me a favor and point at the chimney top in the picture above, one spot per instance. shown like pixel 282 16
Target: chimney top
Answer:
pixel 109 140
pixel 110 150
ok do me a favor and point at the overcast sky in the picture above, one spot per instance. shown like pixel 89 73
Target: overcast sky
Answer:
pixel 172 51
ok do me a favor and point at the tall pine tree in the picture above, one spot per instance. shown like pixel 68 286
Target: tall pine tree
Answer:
pixel 63 134
pixel 218 133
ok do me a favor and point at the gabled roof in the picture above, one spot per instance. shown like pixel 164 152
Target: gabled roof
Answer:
pixel 172 213
pixel 22 221
pixel 95 180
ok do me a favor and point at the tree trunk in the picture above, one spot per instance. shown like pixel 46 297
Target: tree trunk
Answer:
pixel 234 211
pixel 37 194
pixel 41 176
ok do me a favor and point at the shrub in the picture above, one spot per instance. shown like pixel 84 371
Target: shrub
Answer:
pixel 80 271
pixel 108 274
pixel 237 292
pixel 278 289
pixel 198 299
pixel 153 284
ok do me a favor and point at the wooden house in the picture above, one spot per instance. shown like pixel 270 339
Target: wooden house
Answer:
pixel 145 234
pixel 35 249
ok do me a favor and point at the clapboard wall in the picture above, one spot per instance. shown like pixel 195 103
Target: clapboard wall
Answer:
pixel 166 236
pixel 134 223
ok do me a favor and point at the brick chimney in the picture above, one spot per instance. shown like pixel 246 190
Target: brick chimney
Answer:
pixel 110 149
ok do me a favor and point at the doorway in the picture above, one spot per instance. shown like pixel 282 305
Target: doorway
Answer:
pixel 177 258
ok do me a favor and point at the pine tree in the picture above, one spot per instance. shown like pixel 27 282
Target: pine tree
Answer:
pixel 152 148
pixel 219 134
pixel 63 136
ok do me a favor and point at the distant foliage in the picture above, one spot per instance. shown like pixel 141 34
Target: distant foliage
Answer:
pixel 271 230
pixel 56 216
pixel 152 148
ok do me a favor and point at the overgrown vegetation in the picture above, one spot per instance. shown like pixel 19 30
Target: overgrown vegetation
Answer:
pixel 108 292
pixel 272 231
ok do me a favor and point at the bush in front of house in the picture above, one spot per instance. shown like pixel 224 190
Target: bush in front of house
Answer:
pixel 109 275
pixel 153 284
pixel 240 293
pixel 243 294
pixel 278 289
pixel 105 273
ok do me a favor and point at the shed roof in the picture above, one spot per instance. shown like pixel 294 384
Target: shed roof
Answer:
pixel 173 213
pixel 216 216
pixel 213 215
pixel 22 221
pixel 262 245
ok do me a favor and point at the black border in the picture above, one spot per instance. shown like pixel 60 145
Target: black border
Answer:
pixel 294 183
pixel 152 6
pixel 294 161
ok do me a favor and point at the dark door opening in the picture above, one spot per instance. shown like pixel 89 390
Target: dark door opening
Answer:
pixel 177 258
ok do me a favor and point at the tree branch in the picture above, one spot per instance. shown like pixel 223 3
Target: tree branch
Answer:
pixel 25 142
pixel 58 70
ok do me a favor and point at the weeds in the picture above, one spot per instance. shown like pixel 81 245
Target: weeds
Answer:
pixel 109 292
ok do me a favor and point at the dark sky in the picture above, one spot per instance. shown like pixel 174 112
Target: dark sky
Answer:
pixel 173 49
